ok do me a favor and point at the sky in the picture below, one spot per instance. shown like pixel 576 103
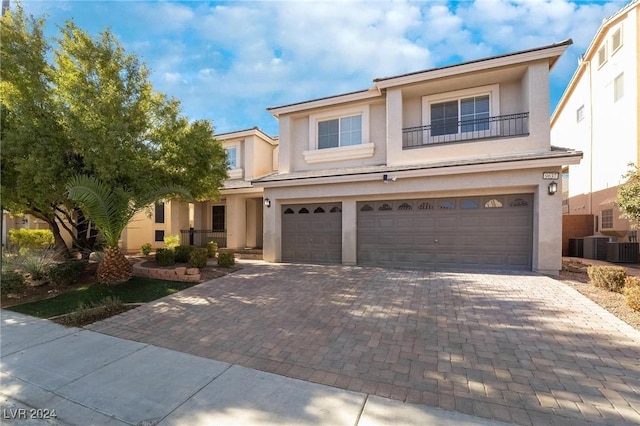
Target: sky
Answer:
pixel 228 61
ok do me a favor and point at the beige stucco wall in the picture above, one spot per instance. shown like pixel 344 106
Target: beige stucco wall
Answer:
pixel 547 224
pixel 141 229
pixel 608 134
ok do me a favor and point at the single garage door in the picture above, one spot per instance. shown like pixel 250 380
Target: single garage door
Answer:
pixel 489 232
pixel 312 233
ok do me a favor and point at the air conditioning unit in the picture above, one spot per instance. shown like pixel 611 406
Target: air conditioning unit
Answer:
pixel 623 252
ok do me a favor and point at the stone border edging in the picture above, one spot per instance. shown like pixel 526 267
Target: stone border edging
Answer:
pixel 179 273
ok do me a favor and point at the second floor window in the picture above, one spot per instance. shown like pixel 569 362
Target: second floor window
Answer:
pixel 460 116
pixel 344 131
pixel 232 158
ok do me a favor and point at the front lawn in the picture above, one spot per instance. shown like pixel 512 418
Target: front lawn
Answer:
pixel 137 290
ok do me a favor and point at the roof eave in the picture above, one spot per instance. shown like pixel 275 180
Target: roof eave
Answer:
pixel 551 52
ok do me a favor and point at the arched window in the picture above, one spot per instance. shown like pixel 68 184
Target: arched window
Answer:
pixel 288 211
pixel 303 211
pixel 366 208
pixel 427 205
pixel 336 210
pixel 519 202
pixel 447 205
pixel 493 204
pixel 385 207
pixel 469 204
pixel 319 210
pixel 405 206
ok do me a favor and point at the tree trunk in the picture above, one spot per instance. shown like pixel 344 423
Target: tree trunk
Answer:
pixel 60 245
pixel 114 268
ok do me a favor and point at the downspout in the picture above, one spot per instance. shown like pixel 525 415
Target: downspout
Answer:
pixel 590 138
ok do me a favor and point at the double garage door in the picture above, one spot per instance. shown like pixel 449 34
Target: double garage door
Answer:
pixel 489 232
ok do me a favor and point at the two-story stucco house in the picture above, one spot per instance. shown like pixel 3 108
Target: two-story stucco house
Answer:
pixel 599 114
pixel 448 167
pixel 234 220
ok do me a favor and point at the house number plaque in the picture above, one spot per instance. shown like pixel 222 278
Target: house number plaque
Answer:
pixel 550 175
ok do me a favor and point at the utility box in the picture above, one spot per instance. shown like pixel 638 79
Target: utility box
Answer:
pixel 623 252
pixel 576 247
pixel 595 247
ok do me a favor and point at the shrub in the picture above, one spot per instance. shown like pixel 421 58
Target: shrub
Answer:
pixel 172 241
pixel 145 249
pixel 212 249
pixel 31 238
pixel 89 312
pixel 226 260
pixel 66 273
pixel 183 253
pixel 198 258
pixel 608 277
pixel 165 257
pixel 632 292
pixel 36 262
pixel 11 282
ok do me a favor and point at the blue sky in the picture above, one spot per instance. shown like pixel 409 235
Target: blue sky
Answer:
pixel 229 61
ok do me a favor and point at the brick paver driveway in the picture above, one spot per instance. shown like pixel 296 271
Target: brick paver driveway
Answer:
pixel 514 347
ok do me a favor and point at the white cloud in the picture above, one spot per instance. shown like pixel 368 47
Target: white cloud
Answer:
pixel 229 61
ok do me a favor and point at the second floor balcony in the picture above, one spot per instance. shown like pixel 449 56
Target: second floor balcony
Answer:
pixel 444 131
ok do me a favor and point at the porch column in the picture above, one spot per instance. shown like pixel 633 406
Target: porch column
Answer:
pixel 252 209
pixel 236 222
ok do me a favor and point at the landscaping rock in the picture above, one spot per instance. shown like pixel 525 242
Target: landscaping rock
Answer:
pixel 181 270
pixel 193 271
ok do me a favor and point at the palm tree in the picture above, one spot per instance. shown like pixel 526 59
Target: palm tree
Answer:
pixel 110 210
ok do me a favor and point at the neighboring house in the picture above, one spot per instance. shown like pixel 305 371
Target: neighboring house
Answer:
pixel 233 221
pixel 599 114
pixel 10 222
pixel 446 167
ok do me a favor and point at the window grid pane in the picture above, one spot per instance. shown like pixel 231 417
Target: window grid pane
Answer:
pixel 344 131
pixel 474 111
pixel 618 88
pixel 444 118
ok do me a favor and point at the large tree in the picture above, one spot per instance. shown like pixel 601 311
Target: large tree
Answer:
pixel 629 196
pixel 90 110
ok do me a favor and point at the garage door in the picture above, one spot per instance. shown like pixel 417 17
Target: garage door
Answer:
pixel 312 233
pixel 493 232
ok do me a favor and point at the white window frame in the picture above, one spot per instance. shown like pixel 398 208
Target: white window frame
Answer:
pixel 609 219
pixel 615 48
pixel 493 91
pixel 602 59
pixel 237 172
pixel 618 87
pixel 363 150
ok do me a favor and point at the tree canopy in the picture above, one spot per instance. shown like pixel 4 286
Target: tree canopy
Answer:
pixel 82 105
pixel 629 196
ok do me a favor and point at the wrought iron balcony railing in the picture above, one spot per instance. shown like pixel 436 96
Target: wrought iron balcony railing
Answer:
pixel 200 237
pixel 501 126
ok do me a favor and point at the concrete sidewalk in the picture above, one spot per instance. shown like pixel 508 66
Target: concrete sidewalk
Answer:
pixel 88 378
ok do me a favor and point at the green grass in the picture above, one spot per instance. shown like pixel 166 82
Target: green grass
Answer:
pixel 137 290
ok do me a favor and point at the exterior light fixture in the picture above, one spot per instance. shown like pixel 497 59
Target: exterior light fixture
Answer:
pixel 553 188
pixel 387 178
pixel 267 202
